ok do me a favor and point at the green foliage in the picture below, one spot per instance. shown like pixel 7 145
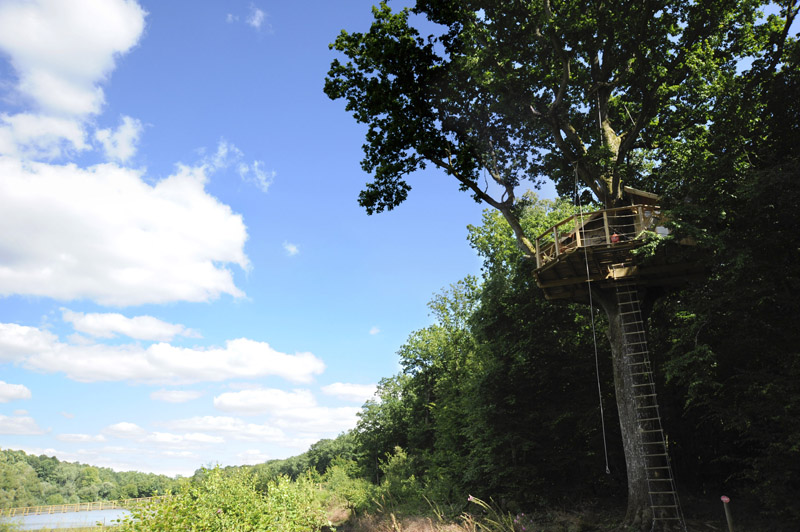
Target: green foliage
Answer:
pixel 30 480
pixel 343 479
pixel 231 502
pixel 524 90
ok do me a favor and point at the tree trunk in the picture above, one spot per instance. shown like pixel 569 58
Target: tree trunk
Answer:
pixel 639 514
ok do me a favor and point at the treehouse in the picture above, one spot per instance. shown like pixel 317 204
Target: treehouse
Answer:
pixel 599 247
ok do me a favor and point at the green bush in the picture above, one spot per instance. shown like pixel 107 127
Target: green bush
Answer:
pixel 342 479
pixel 231 503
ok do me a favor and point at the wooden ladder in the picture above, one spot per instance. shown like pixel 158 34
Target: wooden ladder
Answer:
pixel 661 484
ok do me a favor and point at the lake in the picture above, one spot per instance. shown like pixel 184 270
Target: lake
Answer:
pixel 68 519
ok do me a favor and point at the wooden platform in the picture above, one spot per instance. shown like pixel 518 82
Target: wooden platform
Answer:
pixel 599 240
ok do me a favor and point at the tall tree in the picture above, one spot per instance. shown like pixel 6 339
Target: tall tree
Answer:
pixel 515 90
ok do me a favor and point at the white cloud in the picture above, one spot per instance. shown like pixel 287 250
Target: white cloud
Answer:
pixel 131 431
pixel 120 145
pixel 176 396
pixel 108 325
pixel 256 174
pixel 235 428
pixel 157 363
pixel 252 457
pixel 296 411
pixel 81 438
pixel 13 392
pixel 318 421
pixel 350 392
pixel 105 234
pixel 256 17
pixel 261 401
pixel 374 330
pixel 125 430
pixel 37 136
pixel 19 425
pixel 19 341
pixel 61 52
pixel 291 249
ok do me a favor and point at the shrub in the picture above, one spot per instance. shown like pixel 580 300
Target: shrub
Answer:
pixel 231 503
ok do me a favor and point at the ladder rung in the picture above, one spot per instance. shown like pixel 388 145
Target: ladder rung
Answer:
pixel 651 419
pixel 654 455
pixel 640 385
pixel 662 492
pixel 657 467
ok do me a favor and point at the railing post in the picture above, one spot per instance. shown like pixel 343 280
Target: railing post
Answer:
pixel 605 227
pixel 538 253
pixel 640 221
pixel 578 226
pixel 555 240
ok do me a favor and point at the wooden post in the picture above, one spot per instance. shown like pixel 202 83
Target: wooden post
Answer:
pixel 605 227
pixel 578 226
pixel 538 254
pixel 555 239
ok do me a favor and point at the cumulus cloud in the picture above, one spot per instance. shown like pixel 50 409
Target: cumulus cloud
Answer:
pixel 235 428
pixel 120 144
pixel 13 392
pixel 61 52
pixel 19 425
pixel 108 325
pixel 103 233
pixel 262 400
pixel 27 135
pixel 350 392
pixel 157 363
pixel 374 330
pixel 17 342
pixel 295 411
pixel 176 396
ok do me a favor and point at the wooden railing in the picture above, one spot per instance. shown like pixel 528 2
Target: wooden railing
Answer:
pixel 598 228
pixel 74 507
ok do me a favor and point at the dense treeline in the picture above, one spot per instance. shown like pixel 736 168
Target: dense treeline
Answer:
pixel 30 480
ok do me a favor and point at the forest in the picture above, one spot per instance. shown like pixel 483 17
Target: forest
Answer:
pixel 509 396
pixel 30 480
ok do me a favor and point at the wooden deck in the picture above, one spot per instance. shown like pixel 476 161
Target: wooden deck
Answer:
pixel 597 241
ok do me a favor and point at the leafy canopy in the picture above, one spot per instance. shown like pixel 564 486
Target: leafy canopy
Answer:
pixel 502 92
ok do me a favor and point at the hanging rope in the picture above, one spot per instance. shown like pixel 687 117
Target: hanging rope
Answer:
pixel 594 332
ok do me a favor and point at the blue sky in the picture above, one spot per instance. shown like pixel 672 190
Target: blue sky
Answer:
pixel 185 275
